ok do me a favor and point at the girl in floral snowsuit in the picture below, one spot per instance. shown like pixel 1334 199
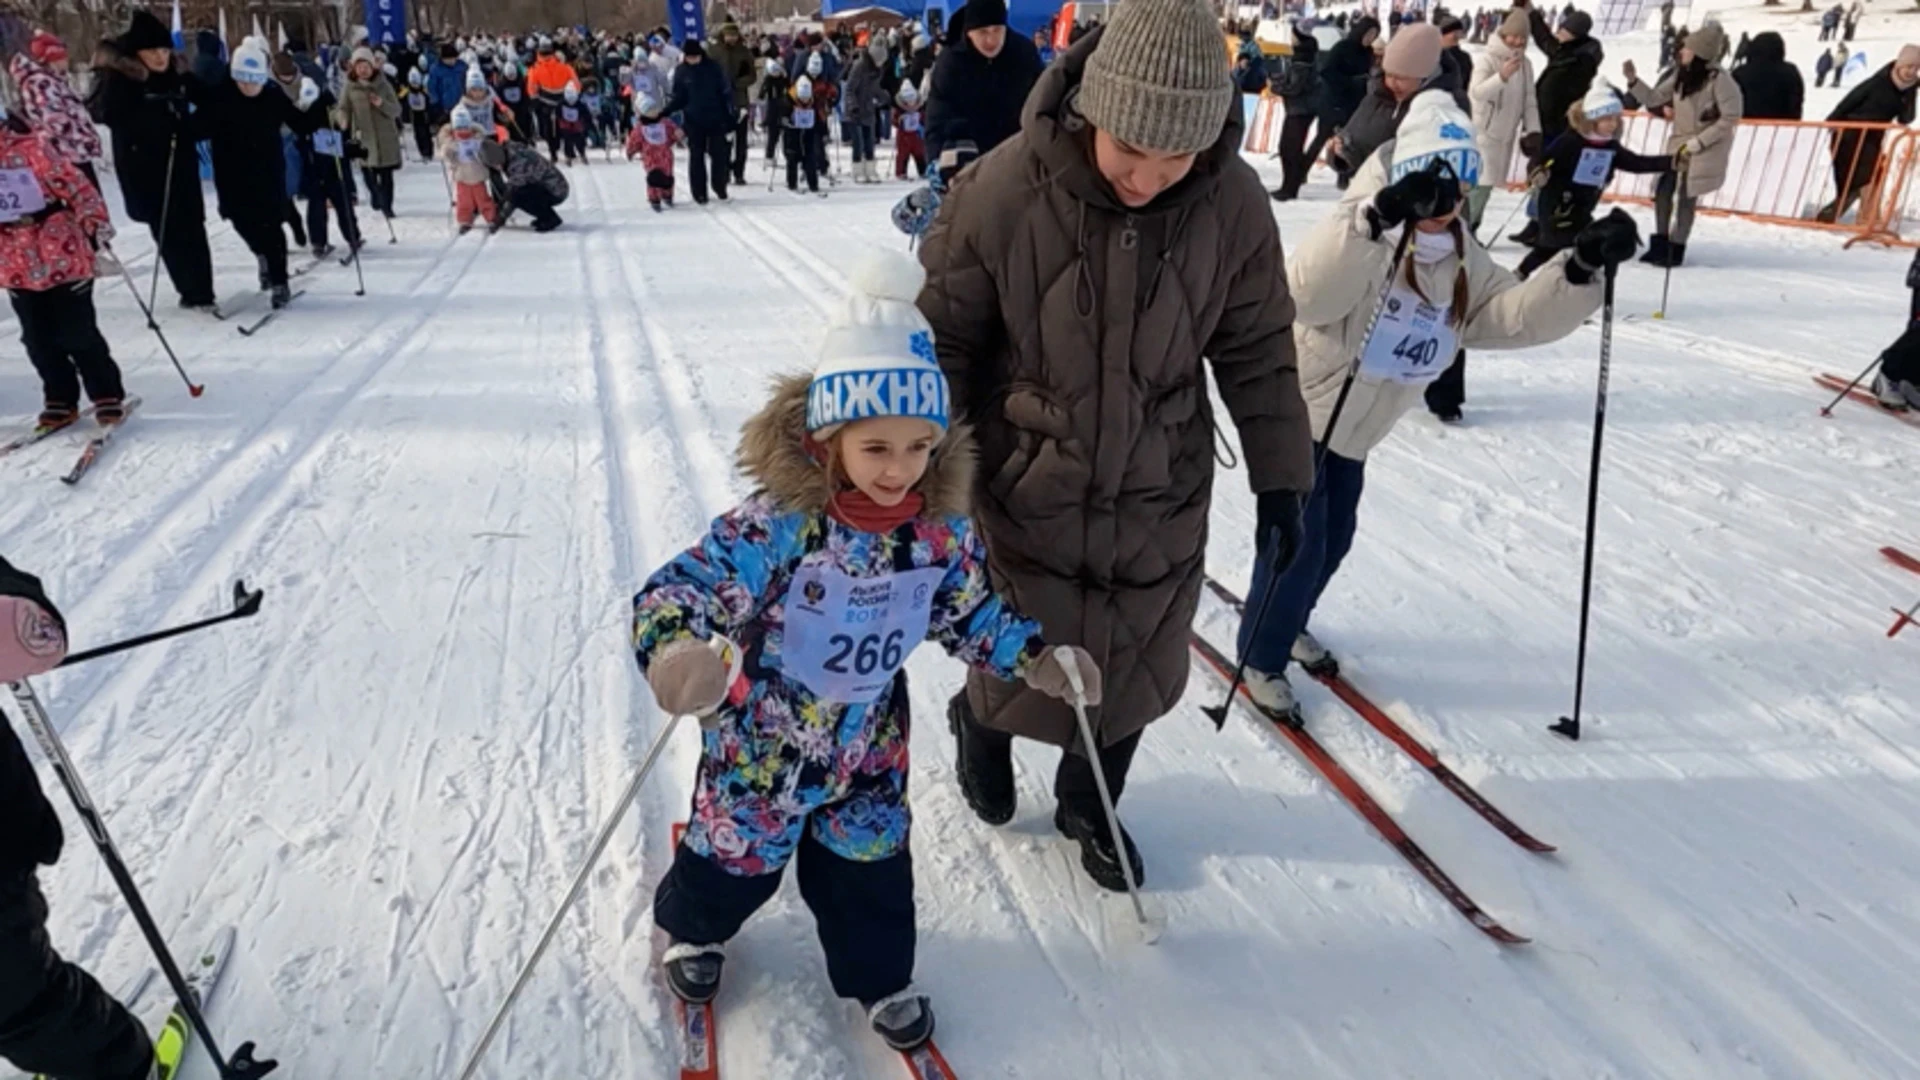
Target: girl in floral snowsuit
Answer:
pixel 855 547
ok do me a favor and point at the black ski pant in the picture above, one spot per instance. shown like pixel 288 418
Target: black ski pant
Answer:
pixel 741 140
pixel 801 148
pixel 182 241
pixel 539 204
pixel 863 911
pixel 422 135
pixel 1296 158
pixel 380 187
pixel 1073 781
pixel 326 183
pixel 268 242
pixel 574 144
pixel 707 159
pixel 1901 361
pixel 290 217
pixel 547 119
pixel 55 1019
pixel 1448 393
pixel 63 339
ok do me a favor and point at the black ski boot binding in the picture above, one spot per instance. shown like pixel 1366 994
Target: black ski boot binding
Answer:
pixel 904 1020
pixel 693 971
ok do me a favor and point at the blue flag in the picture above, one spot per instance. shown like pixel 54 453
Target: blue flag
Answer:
pixel 386 22
pixel 688 19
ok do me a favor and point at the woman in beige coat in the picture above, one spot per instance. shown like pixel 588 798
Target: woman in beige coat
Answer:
pixel 1447 293
pixel 370 112
pixel 1505 110
pixel 1704 104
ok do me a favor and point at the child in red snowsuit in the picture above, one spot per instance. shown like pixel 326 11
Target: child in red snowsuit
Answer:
pixel 50 220
pixel 909 140
pixel 653 139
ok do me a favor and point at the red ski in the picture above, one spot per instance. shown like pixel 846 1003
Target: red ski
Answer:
pixel 1837 384
pixel 926 1063
pixel 699 1036
pixel 1901 559
pixel 1363 803
pixel 1412 747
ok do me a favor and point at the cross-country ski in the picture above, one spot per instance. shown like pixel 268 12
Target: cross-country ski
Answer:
pixel 1340 540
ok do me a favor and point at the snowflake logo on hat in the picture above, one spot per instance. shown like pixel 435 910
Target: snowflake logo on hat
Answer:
pixel 1452 130
pixel 920 343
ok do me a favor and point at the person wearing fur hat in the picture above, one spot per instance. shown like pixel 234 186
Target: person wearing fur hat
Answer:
pixel 1447 293
pixel 1704 104
pixel 142 93
pixel 652 140
pixel 370 115
pixel 909 125
pixel 48 103
pixel 981 83
pixel 1076 279
pixel 703 99
pixel 786 631
pixel 459 151
pixel 1506 112
pixel 244 115
pixel 1576 169
pixel 1411 67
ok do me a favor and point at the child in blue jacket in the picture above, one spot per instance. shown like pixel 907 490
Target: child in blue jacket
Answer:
pixel 854 548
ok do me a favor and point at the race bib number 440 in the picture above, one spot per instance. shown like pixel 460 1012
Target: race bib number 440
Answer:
pixel 1413 343
pixel 847 637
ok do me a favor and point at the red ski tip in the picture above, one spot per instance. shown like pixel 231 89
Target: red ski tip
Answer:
pixel 1902 620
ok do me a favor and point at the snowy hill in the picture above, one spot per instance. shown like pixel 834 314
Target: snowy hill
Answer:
pixel 451 487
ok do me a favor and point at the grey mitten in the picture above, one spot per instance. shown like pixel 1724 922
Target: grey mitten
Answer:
pixel 689 678
pixel 1049 675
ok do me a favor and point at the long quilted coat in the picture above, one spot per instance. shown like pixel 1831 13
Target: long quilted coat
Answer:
pixel 1072 330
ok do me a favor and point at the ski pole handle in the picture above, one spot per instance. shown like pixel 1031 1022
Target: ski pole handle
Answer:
pixel 1069 662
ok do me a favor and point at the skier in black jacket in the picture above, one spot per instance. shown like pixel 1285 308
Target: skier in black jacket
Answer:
pixel 55 1019
pixel 703 96
pixel 143 93
pixel 981 83
pixel 1573 59
pixel 244 115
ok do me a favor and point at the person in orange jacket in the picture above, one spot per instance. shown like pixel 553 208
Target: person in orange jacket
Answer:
pixel 547 83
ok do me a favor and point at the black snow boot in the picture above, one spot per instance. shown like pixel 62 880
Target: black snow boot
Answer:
pixel 693 971
pixel 1087 826
pixel 985 766
pixel 282 295
pixel 905 1020
pixel 266 277
pixel 1657 247
pixel 1528 235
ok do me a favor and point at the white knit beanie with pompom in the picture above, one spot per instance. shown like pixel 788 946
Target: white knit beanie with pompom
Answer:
pixel 877 357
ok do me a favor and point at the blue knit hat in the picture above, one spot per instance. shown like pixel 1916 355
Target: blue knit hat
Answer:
pixel 877 358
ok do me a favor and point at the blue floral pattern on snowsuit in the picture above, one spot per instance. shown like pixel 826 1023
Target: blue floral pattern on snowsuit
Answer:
pixel 783 759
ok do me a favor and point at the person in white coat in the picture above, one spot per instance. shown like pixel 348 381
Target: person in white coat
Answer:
pixel 1505 111
pixel 1447 294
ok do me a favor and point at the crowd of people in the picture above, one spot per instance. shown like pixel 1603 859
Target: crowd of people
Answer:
pixel 948 470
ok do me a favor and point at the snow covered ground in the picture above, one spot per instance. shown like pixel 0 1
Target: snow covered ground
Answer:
pixel 450 488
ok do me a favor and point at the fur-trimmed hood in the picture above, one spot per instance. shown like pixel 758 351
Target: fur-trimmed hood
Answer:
pixel 112 55
pixel 773 455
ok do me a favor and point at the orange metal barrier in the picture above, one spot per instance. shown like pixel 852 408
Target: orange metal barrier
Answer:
pixel 1858 179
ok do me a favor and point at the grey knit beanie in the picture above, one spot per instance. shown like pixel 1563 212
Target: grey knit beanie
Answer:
pixel 1158 79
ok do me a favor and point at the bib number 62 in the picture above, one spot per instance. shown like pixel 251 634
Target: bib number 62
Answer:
pixel 867 654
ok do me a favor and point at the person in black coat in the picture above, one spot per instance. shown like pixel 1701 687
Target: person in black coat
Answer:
pixel 1885 97
pixel 323 175
pixel 55 1019
pixel 1414 64
pixel 1299 88
pixel 1770 86
pixel 1455 63
pixel 981 84
pixel 703 96
pixel 244 115
pixel 143 92
pixel 1344 73
pixel 1573 59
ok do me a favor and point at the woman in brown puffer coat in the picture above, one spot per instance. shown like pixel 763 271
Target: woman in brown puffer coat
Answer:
pixel 1076 277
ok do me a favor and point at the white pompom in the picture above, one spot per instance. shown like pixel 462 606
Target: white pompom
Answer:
pixel 886 274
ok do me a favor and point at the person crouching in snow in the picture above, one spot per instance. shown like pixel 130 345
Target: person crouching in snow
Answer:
pixel 854 548
pixel 47 245
pixel 1447 294
pixel 571 122
pixel 460 143
pixel 909 144
pixel 244 115
pixel 653 140
pixel 1578 166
